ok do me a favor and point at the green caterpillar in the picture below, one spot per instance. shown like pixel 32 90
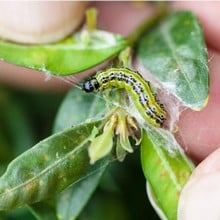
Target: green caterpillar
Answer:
pixel 136 86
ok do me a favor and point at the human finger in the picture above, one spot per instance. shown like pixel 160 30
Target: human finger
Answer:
pixel 39 21
pixel 200 197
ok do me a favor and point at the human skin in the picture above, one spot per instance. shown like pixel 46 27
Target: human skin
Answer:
pixel 198 131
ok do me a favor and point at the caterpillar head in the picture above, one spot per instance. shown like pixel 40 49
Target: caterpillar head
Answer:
pixel 91 85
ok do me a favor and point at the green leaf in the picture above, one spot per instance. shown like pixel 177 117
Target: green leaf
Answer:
pixel 72 55
pixel 78 107
pixel 47 168
pixel 72 200
pixel 166 168
pixel 176 54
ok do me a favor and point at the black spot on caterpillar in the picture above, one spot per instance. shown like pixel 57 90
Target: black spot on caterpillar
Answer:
pixel 136 86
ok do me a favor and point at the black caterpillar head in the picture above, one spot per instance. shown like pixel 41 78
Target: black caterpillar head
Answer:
pixel 90 85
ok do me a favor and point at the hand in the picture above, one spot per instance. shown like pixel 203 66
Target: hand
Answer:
pixel 200 131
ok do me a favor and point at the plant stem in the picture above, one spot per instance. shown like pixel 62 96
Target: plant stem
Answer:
pixel 146 25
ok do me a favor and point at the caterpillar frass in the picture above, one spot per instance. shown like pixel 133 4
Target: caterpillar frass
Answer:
pixel 136 86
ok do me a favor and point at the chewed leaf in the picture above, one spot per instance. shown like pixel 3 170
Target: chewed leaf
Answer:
pixel 166 172
pixel 72 55
pixel 47 168
pixel 175 53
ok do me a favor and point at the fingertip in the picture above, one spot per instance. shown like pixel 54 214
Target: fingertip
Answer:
pixel 40 21
pixel 200 197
